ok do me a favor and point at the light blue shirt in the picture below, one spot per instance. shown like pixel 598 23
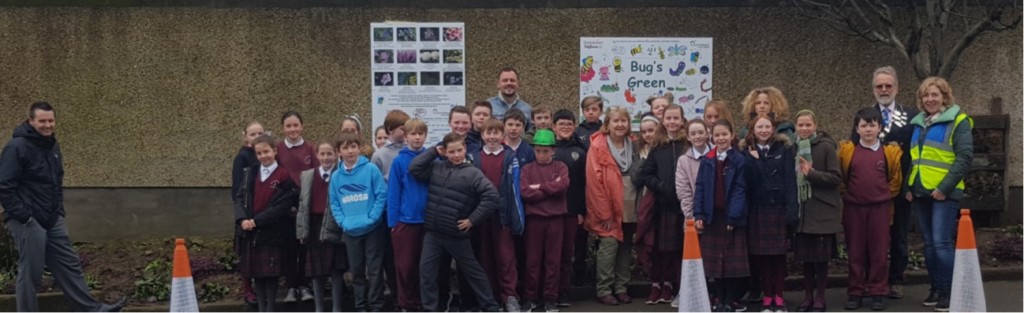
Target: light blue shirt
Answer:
pixel 499 107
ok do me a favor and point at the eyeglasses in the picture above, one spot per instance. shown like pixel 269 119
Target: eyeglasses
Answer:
pixel 884 86
pixel 565 124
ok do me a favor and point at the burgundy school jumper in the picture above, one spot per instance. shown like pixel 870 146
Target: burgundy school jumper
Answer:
pixel 295 159
pixel 866 222
pixel 259 261
pixel 497 250
pixel 321 257
pixel 545 209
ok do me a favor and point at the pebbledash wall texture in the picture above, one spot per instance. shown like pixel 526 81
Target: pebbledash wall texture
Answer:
pixel 157 97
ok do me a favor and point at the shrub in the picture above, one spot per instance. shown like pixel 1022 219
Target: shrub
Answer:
pixel 155 284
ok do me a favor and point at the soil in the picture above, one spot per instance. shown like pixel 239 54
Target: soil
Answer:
pixel 117 266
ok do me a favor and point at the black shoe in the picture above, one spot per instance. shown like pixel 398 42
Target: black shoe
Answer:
pixel 943 304
pixel 119 304
pixel 754 296
pixel 550 306
pixel 563 301
pixel 878 303
pixel 738 307
pixel 932 299
pixel 853 303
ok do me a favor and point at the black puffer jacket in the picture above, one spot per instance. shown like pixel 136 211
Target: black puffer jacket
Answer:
pixel 273 227
pixel 659 174
pixel 573 153
pixel 32 177
pixel 455 192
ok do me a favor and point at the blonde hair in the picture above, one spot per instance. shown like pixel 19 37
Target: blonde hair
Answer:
pixel 944 88
pixel 611 113
pixel 415 125
pixel 721 107
pixel 779 104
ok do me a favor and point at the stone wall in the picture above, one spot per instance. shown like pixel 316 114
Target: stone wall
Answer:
pixel 157 97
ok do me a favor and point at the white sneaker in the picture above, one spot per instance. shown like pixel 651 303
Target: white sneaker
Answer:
pixel 290 297
pixel 307 295
pixel 675 302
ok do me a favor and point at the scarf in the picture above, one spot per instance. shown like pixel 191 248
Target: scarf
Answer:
pixel 803 151
pixel 624 156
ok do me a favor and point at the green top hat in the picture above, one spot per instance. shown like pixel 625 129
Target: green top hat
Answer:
pixel 544 137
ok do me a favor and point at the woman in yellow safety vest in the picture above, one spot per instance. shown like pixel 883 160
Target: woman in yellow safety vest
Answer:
pixel 941 151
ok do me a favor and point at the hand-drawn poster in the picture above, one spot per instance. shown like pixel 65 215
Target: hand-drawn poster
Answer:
pixel 626 71
pixel 418 68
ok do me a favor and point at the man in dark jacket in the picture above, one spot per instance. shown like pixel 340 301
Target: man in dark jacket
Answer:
pixel 895 127
pixel 31 192
pixel 459 197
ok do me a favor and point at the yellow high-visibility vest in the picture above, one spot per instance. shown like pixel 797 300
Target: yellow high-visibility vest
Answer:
pixel 935 157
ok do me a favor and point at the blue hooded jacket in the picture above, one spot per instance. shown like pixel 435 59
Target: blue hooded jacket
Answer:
pixel 407 197
pixel 510 204
pixel 357 197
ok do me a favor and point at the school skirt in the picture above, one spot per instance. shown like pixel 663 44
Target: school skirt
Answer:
pixel 766 230
pixel 668 230
pixel 724 252
pixel 257 261
pixel 814 248
pixel 322 257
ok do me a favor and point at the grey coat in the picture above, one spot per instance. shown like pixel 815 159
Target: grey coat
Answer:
pixel 822 213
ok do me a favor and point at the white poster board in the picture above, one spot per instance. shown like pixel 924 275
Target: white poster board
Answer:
pixel 419 68
pixel 626 71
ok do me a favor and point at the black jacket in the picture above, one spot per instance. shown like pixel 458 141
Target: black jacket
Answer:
pixel 32 177
pixel 771 179
pixel 273 227
pixel 659 174
pixel 574 155
pixel 585 130
pixel 455 192
pixel 246 158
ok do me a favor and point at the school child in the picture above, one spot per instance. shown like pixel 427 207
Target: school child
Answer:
pixel 658 174
pixel 697 133
pixel 875 169
pixel 569 150
pixel 380 137
pixel 715 110
pixel 394 122
pixel 658 105
pixel 611 205
pixel 720 211
pixel 541 119
pixel 496 249
pixel 459 198
pixel 261 209
pixel 407 198
pixel 818 181
pixel 295 155
pixel 323 259
pixel 351 124
pixel 592 108
pixel 544 185
pixel 246 158
pixel 357 195
pixel 480 112
pixel 514 122
pixel 771 193
pixel 644 243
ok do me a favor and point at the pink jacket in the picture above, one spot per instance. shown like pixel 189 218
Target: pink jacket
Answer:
pixel 686 179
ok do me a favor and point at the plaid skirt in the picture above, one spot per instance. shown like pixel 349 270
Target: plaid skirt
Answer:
pixel 766 230
pixel 814 247
pixel 724 252
pixel 322 257
pixel 668 230
pixel 258 261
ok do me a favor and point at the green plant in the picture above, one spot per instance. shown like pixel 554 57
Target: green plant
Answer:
pixel 1015 230
pixel 841 248
pixel 92 282
pixel 155 284
pixel 7 278
pixel 229 260
pixel 212 292
pixel 916 260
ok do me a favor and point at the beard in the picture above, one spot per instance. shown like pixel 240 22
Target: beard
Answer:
pixel 884 100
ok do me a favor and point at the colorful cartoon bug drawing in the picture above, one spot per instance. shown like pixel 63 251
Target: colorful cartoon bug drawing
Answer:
pixel 702 88
pixel 661 53
pixel 630 98
pixel 587 69
pixel 678 70
pixel 638 50
pixel 676 50
pixel 618 65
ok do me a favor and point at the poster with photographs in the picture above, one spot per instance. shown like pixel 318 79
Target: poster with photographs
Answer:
pixel 418 68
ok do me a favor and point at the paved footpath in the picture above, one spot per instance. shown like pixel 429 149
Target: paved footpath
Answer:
pixel 1000 296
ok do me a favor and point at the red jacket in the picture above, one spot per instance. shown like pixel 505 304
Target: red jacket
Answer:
pixel 605 200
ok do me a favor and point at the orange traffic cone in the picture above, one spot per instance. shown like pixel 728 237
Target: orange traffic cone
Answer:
pixel 968 293
pixel 693 292
pixel 183 290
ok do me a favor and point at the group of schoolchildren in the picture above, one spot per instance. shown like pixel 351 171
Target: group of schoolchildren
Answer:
pixel 517 202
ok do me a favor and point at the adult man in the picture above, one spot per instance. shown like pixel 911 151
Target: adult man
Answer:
pixel 508 96
pixel 895 127
pixel 31 192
